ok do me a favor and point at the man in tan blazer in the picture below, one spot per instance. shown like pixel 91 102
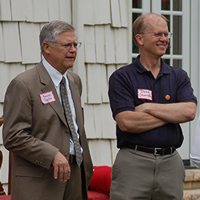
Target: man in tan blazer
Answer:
pixel 35 127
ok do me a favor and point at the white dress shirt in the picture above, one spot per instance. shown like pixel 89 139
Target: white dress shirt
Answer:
pixel 56 77
pixel 195 150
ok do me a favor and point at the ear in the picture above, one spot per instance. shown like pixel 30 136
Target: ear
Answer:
pixel 139 39
pixel 46 47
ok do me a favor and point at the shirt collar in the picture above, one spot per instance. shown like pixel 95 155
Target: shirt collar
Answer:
pixel 141 69
pixel 55 75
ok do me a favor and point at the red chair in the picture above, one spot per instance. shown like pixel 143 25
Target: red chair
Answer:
pixel 7 197
pixel 99 187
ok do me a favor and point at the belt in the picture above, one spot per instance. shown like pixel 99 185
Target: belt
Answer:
pixel 72 159
pixel 154 151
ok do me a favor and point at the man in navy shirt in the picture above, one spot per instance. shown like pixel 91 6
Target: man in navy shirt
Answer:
pixel 149 99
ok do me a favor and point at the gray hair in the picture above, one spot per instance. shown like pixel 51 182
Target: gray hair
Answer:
pixel 51 31
pixel 139 25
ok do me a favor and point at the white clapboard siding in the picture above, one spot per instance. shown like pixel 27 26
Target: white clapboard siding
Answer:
pixel 11 42
pixel 110 70
pixel 108 124
pixel 1 113
pixel 78 22
pixel 80 68
pixel 121 45
pixel 97 121
pixel 5 165
pixel 53 10
pixel 100 151
pixel 28 10
pixel 88 12
pixel 65 11
pixel 109 45
pixel 100 45
pixel 29 66
pixel 121 65
pixel 18 11
pixel 114 150
pixel 10 72
pixel 94 83
pixel 89 121
pixel 102 11
pixel 4 80
pixel 104 84
pixel 14 70
pixel 41 26
pixel 7 73
pixel 115 13
pixel 40 11
pixel 89 45
pixel 29 36
pixel 124 12
pixel 5 10
pixel 1 44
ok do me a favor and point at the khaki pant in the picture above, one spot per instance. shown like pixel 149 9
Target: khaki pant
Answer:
pixel 139 175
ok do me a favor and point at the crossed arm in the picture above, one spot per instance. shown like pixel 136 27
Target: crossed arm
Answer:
pixel 148 116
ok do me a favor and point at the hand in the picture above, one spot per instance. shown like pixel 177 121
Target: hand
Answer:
pixel 61 167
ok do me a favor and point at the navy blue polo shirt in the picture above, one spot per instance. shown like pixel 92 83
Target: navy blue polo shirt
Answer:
pixel 133 85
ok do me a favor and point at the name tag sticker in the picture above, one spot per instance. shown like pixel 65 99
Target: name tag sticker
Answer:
pixel 47 97
pixel 145 94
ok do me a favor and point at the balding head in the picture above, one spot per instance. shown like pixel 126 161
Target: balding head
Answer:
pixel 143 22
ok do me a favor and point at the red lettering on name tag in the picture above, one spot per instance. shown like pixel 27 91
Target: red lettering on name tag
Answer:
pixel 47 97
pixel 145 94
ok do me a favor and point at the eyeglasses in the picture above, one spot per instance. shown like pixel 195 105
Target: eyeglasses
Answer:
pixel 160 34
pixel 68 46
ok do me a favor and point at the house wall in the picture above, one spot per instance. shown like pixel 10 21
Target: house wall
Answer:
pixel 103 27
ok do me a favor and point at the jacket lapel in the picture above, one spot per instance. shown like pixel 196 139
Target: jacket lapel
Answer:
pixel 48 85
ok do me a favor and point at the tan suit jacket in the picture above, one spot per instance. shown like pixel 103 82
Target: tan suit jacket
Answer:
pixel 34 132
